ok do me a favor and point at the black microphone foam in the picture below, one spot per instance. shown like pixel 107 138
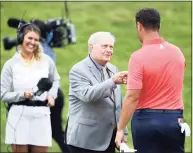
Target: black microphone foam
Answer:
pixel 14 23
pixel 43 85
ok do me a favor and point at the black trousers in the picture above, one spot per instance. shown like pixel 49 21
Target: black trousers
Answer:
pixel 110 149
pixel 156 131
pixel 56 122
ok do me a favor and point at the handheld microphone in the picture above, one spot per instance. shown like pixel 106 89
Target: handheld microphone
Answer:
pixel 14 23
pixel 43 85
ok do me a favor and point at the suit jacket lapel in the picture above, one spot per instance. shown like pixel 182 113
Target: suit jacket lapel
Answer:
pixel 98 75
pixel 94 70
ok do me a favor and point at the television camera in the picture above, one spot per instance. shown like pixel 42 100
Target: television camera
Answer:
pixel 57 32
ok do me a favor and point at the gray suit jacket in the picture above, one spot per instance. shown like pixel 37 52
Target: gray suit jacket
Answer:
pixel 92 113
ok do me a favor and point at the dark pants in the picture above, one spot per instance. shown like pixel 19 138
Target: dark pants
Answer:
pixel 157 132
pixel 56 122
pixel 110 149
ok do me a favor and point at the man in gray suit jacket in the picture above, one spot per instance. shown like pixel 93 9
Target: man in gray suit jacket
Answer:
pixel 95 98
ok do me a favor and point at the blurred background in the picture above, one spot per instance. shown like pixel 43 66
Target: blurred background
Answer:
pixel 89 17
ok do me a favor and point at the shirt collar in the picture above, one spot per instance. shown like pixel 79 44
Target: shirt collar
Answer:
pixel 27 62
pixel 158 40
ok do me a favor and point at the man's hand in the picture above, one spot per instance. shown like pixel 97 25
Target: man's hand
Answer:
pixel 28 95
pixel 119 137
pixel 51 101
pixel 120 77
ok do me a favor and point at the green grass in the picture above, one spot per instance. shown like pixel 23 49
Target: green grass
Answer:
pixel 116 17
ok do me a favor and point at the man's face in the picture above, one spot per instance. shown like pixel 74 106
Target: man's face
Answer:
pixel 102 51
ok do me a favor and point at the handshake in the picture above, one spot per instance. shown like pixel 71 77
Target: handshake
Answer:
pixel 120 77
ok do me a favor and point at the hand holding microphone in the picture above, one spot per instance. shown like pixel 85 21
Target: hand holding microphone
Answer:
pixel 28 95
pixel 43 85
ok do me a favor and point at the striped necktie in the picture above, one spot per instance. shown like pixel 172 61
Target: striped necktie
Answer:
pixel 105 75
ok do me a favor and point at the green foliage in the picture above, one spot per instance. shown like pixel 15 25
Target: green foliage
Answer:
pixel 116 17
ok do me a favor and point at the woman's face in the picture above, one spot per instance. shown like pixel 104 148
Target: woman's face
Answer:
pixel 30 42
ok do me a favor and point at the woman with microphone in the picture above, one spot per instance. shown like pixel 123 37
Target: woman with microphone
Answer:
pixel 28 121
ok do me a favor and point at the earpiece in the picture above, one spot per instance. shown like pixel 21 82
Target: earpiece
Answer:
pixel 20 34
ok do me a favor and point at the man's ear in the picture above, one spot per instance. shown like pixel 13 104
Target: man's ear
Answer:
pixel 91 46
pixel 139 26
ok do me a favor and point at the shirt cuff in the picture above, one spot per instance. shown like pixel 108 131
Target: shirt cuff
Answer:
pixel 21 94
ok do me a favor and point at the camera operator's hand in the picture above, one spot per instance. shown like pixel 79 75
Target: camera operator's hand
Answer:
pixel 51 101
pixel 120 77
pixel 28 95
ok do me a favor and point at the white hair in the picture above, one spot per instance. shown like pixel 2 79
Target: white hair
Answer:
pixel 94 38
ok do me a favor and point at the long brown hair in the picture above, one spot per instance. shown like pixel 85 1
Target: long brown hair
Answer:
pixel 32 27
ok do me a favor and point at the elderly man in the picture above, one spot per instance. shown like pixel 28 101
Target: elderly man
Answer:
pixel 95 98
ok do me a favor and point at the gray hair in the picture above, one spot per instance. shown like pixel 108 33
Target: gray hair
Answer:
pixel 95 37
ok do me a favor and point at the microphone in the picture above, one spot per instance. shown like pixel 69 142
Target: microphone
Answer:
pixel 14 23
pixel 43 85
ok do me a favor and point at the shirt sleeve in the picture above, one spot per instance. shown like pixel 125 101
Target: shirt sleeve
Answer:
pixel 135 74
pixel 7 95
pixel 54 76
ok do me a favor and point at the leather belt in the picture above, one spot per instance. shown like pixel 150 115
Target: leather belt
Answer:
pixel 159 111
pixel 29 102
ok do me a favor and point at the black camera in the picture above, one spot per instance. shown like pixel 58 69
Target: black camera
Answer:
pixel 8 43
pixel 60 30
pixel 56 32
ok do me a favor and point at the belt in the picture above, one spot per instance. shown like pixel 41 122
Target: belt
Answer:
pixel 159 111
pixel 29 102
